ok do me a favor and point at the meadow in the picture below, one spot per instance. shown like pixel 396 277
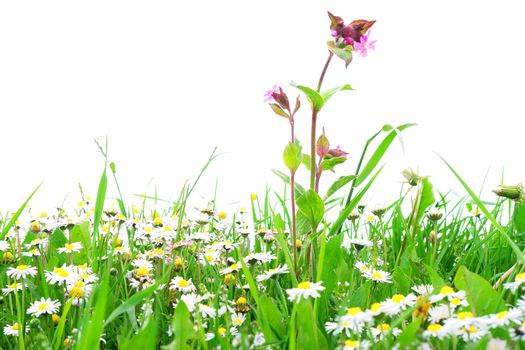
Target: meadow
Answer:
pixel 296 269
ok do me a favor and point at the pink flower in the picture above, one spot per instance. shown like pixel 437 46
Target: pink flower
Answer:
pixel 337 152
pixel 269 95
pixel 364 45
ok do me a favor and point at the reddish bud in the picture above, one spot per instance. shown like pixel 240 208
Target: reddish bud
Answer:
pixel 323 145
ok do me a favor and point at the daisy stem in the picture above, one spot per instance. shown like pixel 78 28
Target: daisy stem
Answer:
pixel 291 332
pixel 20 317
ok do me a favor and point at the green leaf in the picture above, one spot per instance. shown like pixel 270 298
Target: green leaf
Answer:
pixel 274 317
pixel 316 100
pixel 278 110
pixel 519 217
pixel 435 279
pixel 145 339
pixel 482 298
pixel 378 154
pixel 131 302
pixel 15 217
pixel 182 327
pixel 306 161
pixel 312 206
pixel 338 184
pixel 427 198
pixel 488 215
pixel 326 95
pixel 299 190
pixel 329 164
pixel 348 209
pixel 408 336
pixel 343 53
pixel 309 336
pixel 292 155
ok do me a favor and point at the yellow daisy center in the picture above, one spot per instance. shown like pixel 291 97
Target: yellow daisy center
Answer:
pixel 446 290
pixel 520 277
pixel 351 343
pixel 142 271
pixel 398 298
pixel 15 327
pixel 61 272
pixel 304 285
pixel 22 267
pixel 465 314
pixel 70 246
pixel 455 301
pixel 502 314
pixel 434 327
pixel 385 327
pixel 183 283
pixel 375 307
pixel 354 311
pixel 42 307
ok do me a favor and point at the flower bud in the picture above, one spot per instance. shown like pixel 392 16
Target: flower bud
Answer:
pixel 434 214
pixel 511 192
pixel 8 257
pixel 323 145
pixel 379 210
pixel 337 152
pixel 354 215
pixel 35 227
pixel 411 176
pixel 55 318
pixel 298 244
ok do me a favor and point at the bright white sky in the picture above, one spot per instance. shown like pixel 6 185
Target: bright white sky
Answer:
pixel 167 81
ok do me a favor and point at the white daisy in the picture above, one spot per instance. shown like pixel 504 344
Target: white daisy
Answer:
pixel 355 344
pixel 70 248
pixel 4 246
pixel 12 330
pixel 504 318
pixel 238 319
pixel 423 289
pixel 305 290
pixel 233 267
pixel 398 303
pixel 21 271
pixel 61 274
pixel 447 292
pixel 11 288
pixel 180 284
pixel 378 276
pixel 435 330
pixel 518 281
pixel 44 306
pixel 272 272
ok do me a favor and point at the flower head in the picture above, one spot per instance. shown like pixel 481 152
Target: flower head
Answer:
pixel 305 290
pixel 43 306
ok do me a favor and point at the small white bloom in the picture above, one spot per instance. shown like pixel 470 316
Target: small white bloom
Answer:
pixel 21 271
pixel 44 306
pixel 272 272
pixel 180 284
pixel 305 290
pixel 70 248
pixel 12 330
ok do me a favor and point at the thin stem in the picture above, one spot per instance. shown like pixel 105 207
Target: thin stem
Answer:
pixel 313 168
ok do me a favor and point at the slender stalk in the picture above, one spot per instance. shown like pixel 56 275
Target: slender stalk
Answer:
pixel 313 167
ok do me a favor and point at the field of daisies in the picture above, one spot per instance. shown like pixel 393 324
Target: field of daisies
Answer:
pixel 298 268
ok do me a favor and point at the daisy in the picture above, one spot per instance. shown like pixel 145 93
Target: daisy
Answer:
pixel 61 274
pixel 207 311
pixel 260 258
pixel 471 333
pixel 398 303
pixel 423 289
pixel 44 306
pixel 12 330
pixel 180 284
pixel 435 330
pixel 210 257
pixel 11 288
pixel 447 292
pixel 305 290
pixel 21 271
pixel 32 252
pixel 504 318
pixel 70 248
pixel 378 276
pixel 383 329
pixel 230 269
pixel 272 272
pixel 518 281
pixel 356 344
pixel 438 313
pixel 238 319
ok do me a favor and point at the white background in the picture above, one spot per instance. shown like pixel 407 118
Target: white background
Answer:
pixel 166 82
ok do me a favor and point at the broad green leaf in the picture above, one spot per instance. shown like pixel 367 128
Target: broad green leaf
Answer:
pixel 482 298
pixel 378 154
pixel 292 155
pixel 312 206
pixel 316 100
pixel 343 53
pixel 435 279
pixel 408 336
pixel 145 339
pixel 182 328
pixel 338 184
pixel 309 336
pixel 326 95
pixel 306 161
pixel 426 200
pixel 274 316
pixel 329 164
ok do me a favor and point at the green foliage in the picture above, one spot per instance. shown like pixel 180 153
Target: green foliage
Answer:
pixel 311 205
pixel 292 155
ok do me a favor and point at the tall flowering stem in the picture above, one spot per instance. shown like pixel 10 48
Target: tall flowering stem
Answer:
pixel 292 156
pixel 313 132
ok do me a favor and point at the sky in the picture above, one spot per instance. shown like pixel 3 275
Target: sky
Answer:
pixel 166 82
